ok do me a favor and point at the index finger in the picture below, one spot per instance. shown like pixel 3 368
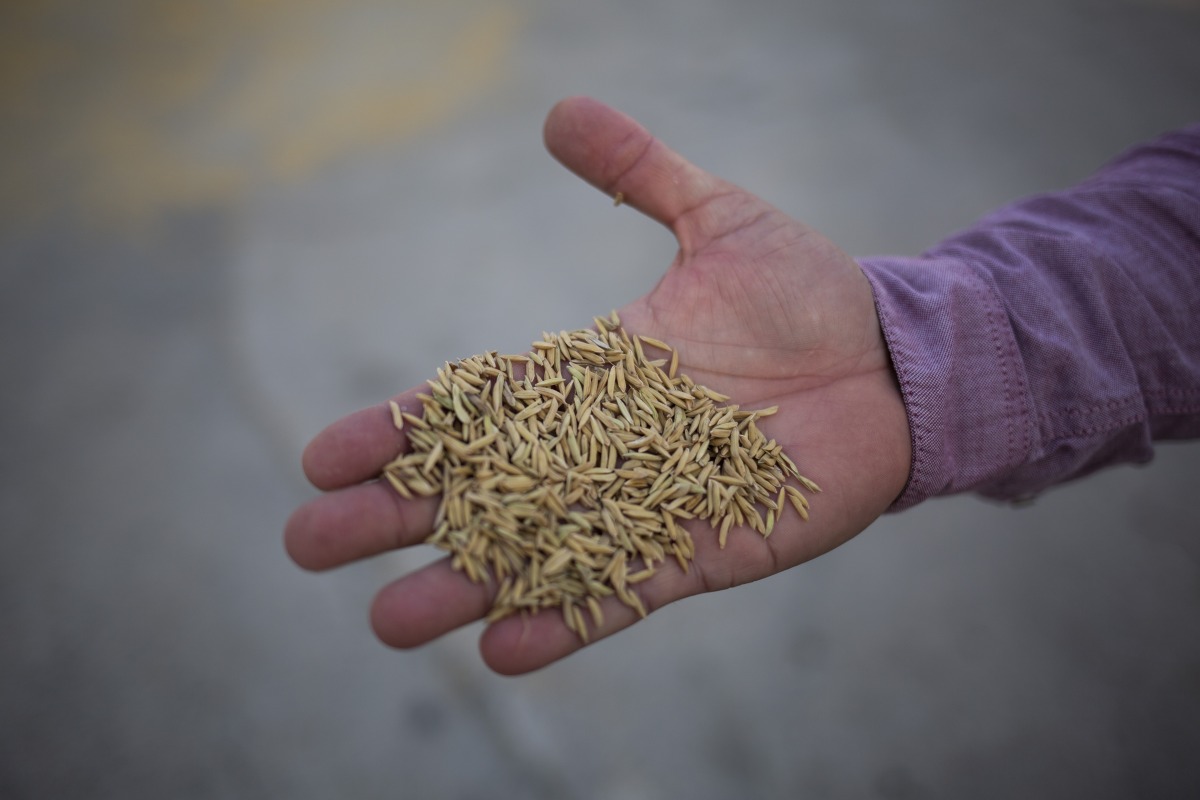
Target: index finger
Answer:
pixel 356 448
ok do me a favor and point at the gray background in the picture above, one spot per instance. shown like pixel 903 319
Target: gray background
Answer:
pixel 223 225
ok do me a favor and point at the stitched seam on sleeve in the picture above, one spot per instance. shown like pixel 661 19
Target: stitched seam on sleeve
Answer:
pixel 901 358
pixel 1017 412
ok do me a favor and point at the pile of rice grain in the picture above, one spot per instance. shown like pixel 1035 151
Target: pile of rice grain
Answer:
pixel 563 473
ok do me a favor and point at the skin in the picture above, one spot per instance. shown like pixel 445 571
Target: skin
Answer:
pixel 759 307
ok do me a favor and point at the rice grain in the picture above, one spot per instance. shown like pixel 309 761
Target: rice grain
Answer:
pixel 554 483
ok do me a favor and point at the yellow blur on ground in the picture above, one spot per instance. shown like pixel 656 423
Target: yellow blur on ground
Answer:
pixel 118 110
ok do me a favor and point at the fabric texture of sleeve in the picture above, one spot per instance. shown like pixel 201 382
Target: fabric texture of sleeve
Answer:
pixel 1057 336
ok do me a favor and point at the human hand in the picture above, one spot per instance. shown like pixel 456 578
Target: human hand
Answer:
pixel 758 306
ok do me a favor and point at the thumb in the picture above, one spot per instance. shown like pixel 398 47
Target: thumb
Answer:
pixel 615 154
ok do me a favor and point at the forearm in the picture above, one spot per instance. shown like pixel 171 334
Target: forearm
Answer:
pixel 1057 336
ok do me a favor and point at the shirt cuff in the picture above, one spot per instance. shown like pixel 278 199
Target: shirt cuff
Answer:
pixel 961 376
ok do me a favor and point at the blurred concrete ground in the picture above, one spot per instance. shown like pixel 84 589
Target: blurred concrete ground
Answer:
pixel 223 225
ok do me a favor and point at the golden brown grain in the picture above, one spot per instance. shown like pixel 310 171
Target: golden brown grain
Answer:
pixel 397 415
pixel 566 485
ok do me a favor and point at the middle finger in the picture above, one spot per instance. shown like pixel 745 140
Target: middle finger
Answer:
pixel 354 523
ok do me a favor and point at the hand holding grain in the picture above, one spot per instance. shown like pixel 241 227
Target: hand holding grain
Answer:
pixel 758 307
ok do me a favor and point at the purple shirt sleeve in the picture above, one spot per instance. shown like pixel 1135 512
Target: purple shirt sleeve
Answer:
pixel 1059 335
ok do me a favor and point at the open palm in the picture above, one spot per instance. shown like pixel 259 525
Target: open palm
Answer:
pixel 759 307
